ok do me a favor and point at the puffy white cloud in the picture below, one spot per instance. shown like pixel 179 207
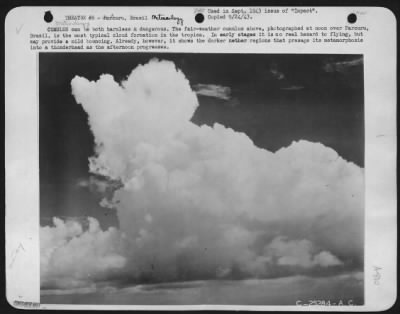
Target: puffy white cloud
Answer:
pixel 299 253
pixel 326 259
pixel 201 202
pixel 155 103
pixel 72 257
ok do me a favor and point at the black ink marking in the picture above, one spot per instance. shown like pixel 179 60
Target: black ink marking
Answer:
pixel 48 17
pixel 160 17
pixel 352 18
pixel 199 18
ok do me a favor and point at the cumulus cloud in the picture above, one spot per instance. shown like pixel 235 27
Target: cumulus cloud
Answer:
pixel 299 253
pixel 200 202
pixel 212 90
pixel 71 257
pixel 326 259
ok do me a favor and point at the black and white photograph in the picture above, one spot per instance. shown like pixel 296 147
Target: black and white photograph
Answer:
pixel 194 178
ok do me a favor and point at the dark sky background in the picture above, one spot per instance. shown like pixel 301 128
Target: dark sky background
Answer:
pixel 275 99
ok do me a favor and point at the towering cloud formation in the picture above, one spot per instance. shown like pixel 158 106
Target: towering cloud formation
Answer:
pixel 200 202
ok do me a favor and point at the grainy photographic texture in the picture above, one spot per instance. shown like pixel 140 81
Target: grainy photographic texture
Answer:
pixel 201 178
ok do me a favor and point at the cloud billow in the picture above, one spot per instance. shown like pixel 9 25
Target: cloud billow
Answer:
pixel 200 202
